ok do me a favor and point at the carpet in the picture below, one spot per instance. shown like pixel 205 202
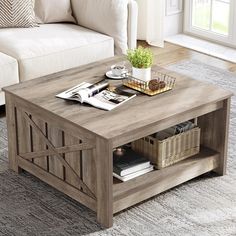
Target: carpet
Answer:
pixel 204 206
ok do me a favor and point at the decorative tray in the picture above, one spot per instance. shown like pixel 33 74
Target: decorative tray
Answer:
pixel 162 83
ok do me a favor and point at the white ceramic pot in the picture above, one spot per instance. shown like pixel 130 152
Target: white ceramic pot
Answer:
pixel 142 74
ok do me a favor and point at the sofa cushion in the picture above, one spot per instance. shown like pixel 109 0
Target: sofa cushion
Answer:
pixel 106 16
pixel 18 13
pixel 8 71
pixel 52 48
pixel 46 12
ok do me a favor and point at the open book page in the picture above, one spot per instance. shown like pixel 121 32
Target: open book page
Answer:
pixel 75 93
pixel 108 100
pixel 83 91
pixel 97 95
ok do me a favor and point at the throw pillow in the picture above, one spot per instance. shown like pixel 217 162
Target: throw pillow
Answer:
pixel 53 11
pixel 17 13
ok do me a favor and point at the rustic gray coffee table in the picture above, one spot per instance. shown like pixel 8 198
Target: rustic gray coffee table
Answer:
pixel 69 146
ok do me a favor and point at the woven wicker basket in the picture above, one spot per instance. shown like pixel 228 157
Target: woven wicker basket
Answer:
pixel 171 150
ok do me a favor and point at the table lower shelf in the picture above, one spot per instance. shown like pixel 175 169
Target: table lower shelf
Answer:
pixel 126 194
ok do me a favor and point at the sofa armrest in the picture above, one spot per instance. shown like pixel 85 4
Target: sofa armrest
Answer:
pixel 116 18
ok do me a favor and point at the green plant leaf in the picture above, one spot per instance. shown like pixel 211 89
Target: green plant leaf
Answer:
pixel 140 57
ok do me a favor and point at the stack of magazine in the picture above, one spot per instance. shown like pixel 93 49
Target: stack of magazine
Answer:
pixel 127 164
pixel 98 95
pixel 177 129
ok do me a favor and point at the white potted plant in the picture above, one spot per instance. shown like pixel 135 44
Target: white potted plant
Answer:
pixel 141 60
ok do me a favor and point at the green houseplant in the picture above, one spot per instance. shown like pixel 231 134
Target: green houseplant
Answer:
pixel 141 60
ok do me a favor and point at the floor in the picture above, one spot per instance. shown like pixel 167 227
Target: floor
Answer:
pixel 170 54
pixel 204 46
pixel 173 53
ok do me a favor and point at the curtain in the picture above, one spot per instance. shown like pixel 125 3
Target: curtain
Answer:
pixel 151 21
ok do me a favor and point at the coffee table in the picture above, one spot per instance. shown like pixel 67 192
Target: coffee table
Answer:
pixel 69 146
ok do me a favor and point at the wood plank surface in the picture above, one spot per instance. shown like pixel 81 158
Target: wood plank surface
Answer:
pixel 187 94
pixel 74 160
pixel 64 149
pixel 24 133
pixel 89 171
pixel 131 192
pixel 104 182
pixel 12 133
pixel 56 137
pixel 215 131
pixel 39 144
pixel 165 123
pixel 58 183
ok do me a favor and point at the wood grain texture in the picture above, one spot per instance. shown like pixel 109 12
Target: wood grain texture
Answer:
pixel 166 123
pixel 12 133
pixel 104 165
pixel 74 160
pixel 188 93
pixel 172 53
pixel 60 157
pixel 89 171
pixel 24 134
pixel 56 137
pixel 215 129
pixel 54 119
pixel 136 190
pixel 39 144
pixel 64 149
pixel 57 183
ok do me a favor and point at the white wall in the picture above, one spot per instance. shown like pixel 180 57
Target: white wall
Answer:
pixel 173 22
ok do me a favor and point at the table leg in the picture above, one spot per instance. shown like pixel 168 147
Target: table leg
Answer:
pixel 104 167
pixel 12 134
pixel 214 133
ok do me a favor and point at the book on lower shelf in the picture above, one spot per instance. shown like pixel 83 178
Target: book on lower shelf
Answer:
pixel 133 175
pixel 128 164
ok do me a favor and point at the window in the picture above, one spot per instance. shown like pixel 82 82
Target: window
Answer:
pixel 212 19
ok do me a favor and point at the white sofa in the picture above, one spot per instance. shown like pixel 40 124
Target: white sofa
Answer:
pixel 102 30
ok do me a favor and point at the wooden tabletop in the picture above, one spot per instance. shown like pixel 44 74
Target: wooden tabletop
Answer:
pixel 138 113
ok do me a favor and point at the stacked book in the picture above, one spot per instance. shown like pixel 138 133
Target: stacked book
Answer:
pixel 127 164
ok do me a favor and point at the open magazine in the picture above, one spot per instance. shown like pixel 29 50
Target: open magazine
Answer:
pixel 98 95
